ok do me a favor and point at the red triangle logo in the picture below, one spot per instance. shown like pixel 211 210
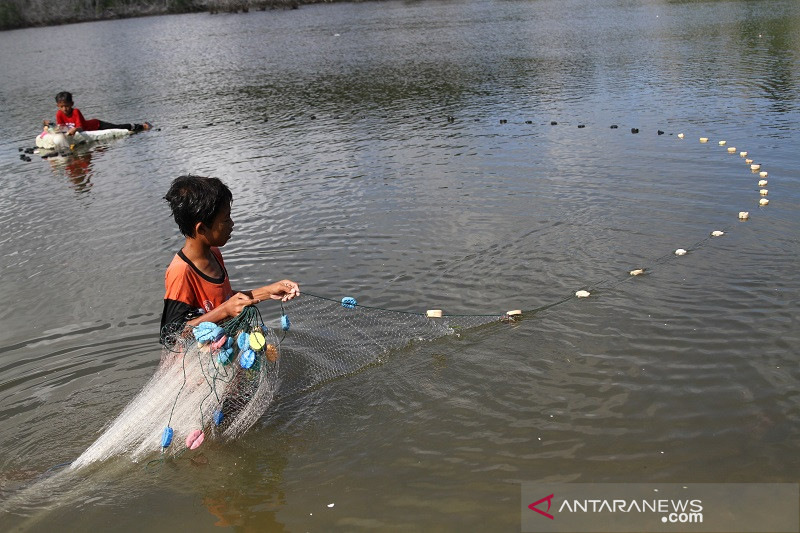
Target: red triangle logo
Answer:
pixel 548 499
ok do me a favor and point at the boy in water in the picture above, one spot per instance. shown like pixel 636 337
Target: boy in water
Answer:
pixel 71 118
pixel 197 284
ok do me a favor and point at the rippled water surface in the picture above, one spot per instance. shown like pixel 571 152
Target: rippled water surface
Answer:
pixel 403 153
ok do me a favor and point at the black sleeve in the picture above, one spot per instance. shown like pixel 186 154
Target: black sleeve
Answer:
pixel 174 316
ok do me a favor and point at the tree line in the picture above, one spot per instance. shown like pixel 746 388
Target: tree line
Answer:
pixel 26 13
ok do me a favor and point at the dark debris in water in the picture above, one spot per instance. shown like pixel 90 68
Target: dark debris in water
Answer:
pixel 199 460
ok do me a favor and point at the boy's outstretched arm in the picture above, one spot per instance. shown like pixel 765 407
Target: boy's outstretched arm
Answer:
pixel 283 290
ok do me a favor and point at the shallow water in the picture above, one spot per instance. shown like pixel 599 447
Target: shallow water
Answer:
pixel 330 124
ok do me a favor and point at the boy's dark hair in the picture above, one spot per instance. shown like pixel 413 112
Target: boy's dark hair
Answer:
pixel 63 96
pixel 196 199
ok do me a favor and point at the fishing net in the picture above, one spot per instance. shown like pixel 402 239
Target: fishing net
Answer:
pixel 216 381
pixel 332 338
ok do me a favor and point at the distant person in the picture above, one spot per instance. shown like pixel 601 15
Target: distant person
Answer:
pixel 197 284
pixel 71 118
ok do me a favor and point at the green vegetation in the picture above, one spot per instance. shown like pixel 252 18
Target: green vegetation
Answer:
pixel 24 13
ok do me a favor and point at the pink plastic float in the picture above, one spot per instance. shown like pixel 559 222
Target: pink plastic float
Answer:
pixel 219 343
pixel 195 439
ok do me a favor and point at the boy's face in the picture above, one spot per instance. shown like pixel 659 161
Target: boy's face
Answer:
pixel 221 228
pixel 65 106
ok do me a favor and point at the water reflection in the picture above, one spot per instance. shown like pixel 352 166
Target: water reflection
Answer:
pixel 77 167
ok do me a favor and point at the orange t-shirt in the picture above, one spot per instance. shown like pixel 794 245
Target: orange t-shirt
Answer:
pixel 189 292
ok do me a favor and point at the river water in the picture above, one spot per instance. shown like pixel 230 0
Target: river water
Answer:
pixel 403 153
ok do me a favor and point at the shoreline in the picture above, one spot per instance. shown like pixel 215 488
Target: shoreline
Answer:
pixel 17 15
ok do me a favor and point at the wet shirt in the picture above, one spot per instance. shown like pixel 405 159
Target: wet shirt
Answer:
pixel 190 293
pixel 76 120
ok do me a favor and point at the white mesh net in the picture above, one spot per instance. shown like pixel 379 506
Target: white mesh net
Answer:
pixel 219 380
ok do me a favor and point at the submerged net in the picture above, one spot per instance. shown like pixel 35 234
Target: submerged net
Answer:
pixel 217 381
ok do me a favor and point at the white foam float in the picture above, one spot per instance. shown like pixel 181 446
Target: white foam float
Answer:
pixel 55 140
pixel 731 149
pixel 744 215
pixel 680 251
pixel 636 272
pixel 763 173
pixel 743 154
pixel 680 136
pixel 717 233
pixel 755 166
pixel 762 183
pixel 434 313
pixel 723 143
pixel 582 294
pixel 703 139
pixel 763 192
pixel 763 201
pixel 748 161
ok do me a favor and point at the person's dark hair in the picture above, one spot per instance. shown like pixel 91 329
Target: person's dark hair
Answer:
pixel 63 96
pixel 196 199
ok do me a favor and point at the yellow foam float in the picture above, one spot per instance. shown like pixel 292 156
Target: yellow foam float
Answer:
pixel 434 313
pixel 723 143
pixel 731 149
pixel 257 341
pixel 703 139
pixel 763 173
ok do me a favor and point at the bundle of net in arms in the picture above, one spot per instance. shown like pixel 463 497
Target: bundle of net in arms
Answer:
pixel 229 377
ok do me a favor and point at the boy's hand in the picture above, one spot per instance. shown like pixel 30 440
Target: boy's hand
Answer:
pixel 284 290
pixel 237 302
pixel 72 131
